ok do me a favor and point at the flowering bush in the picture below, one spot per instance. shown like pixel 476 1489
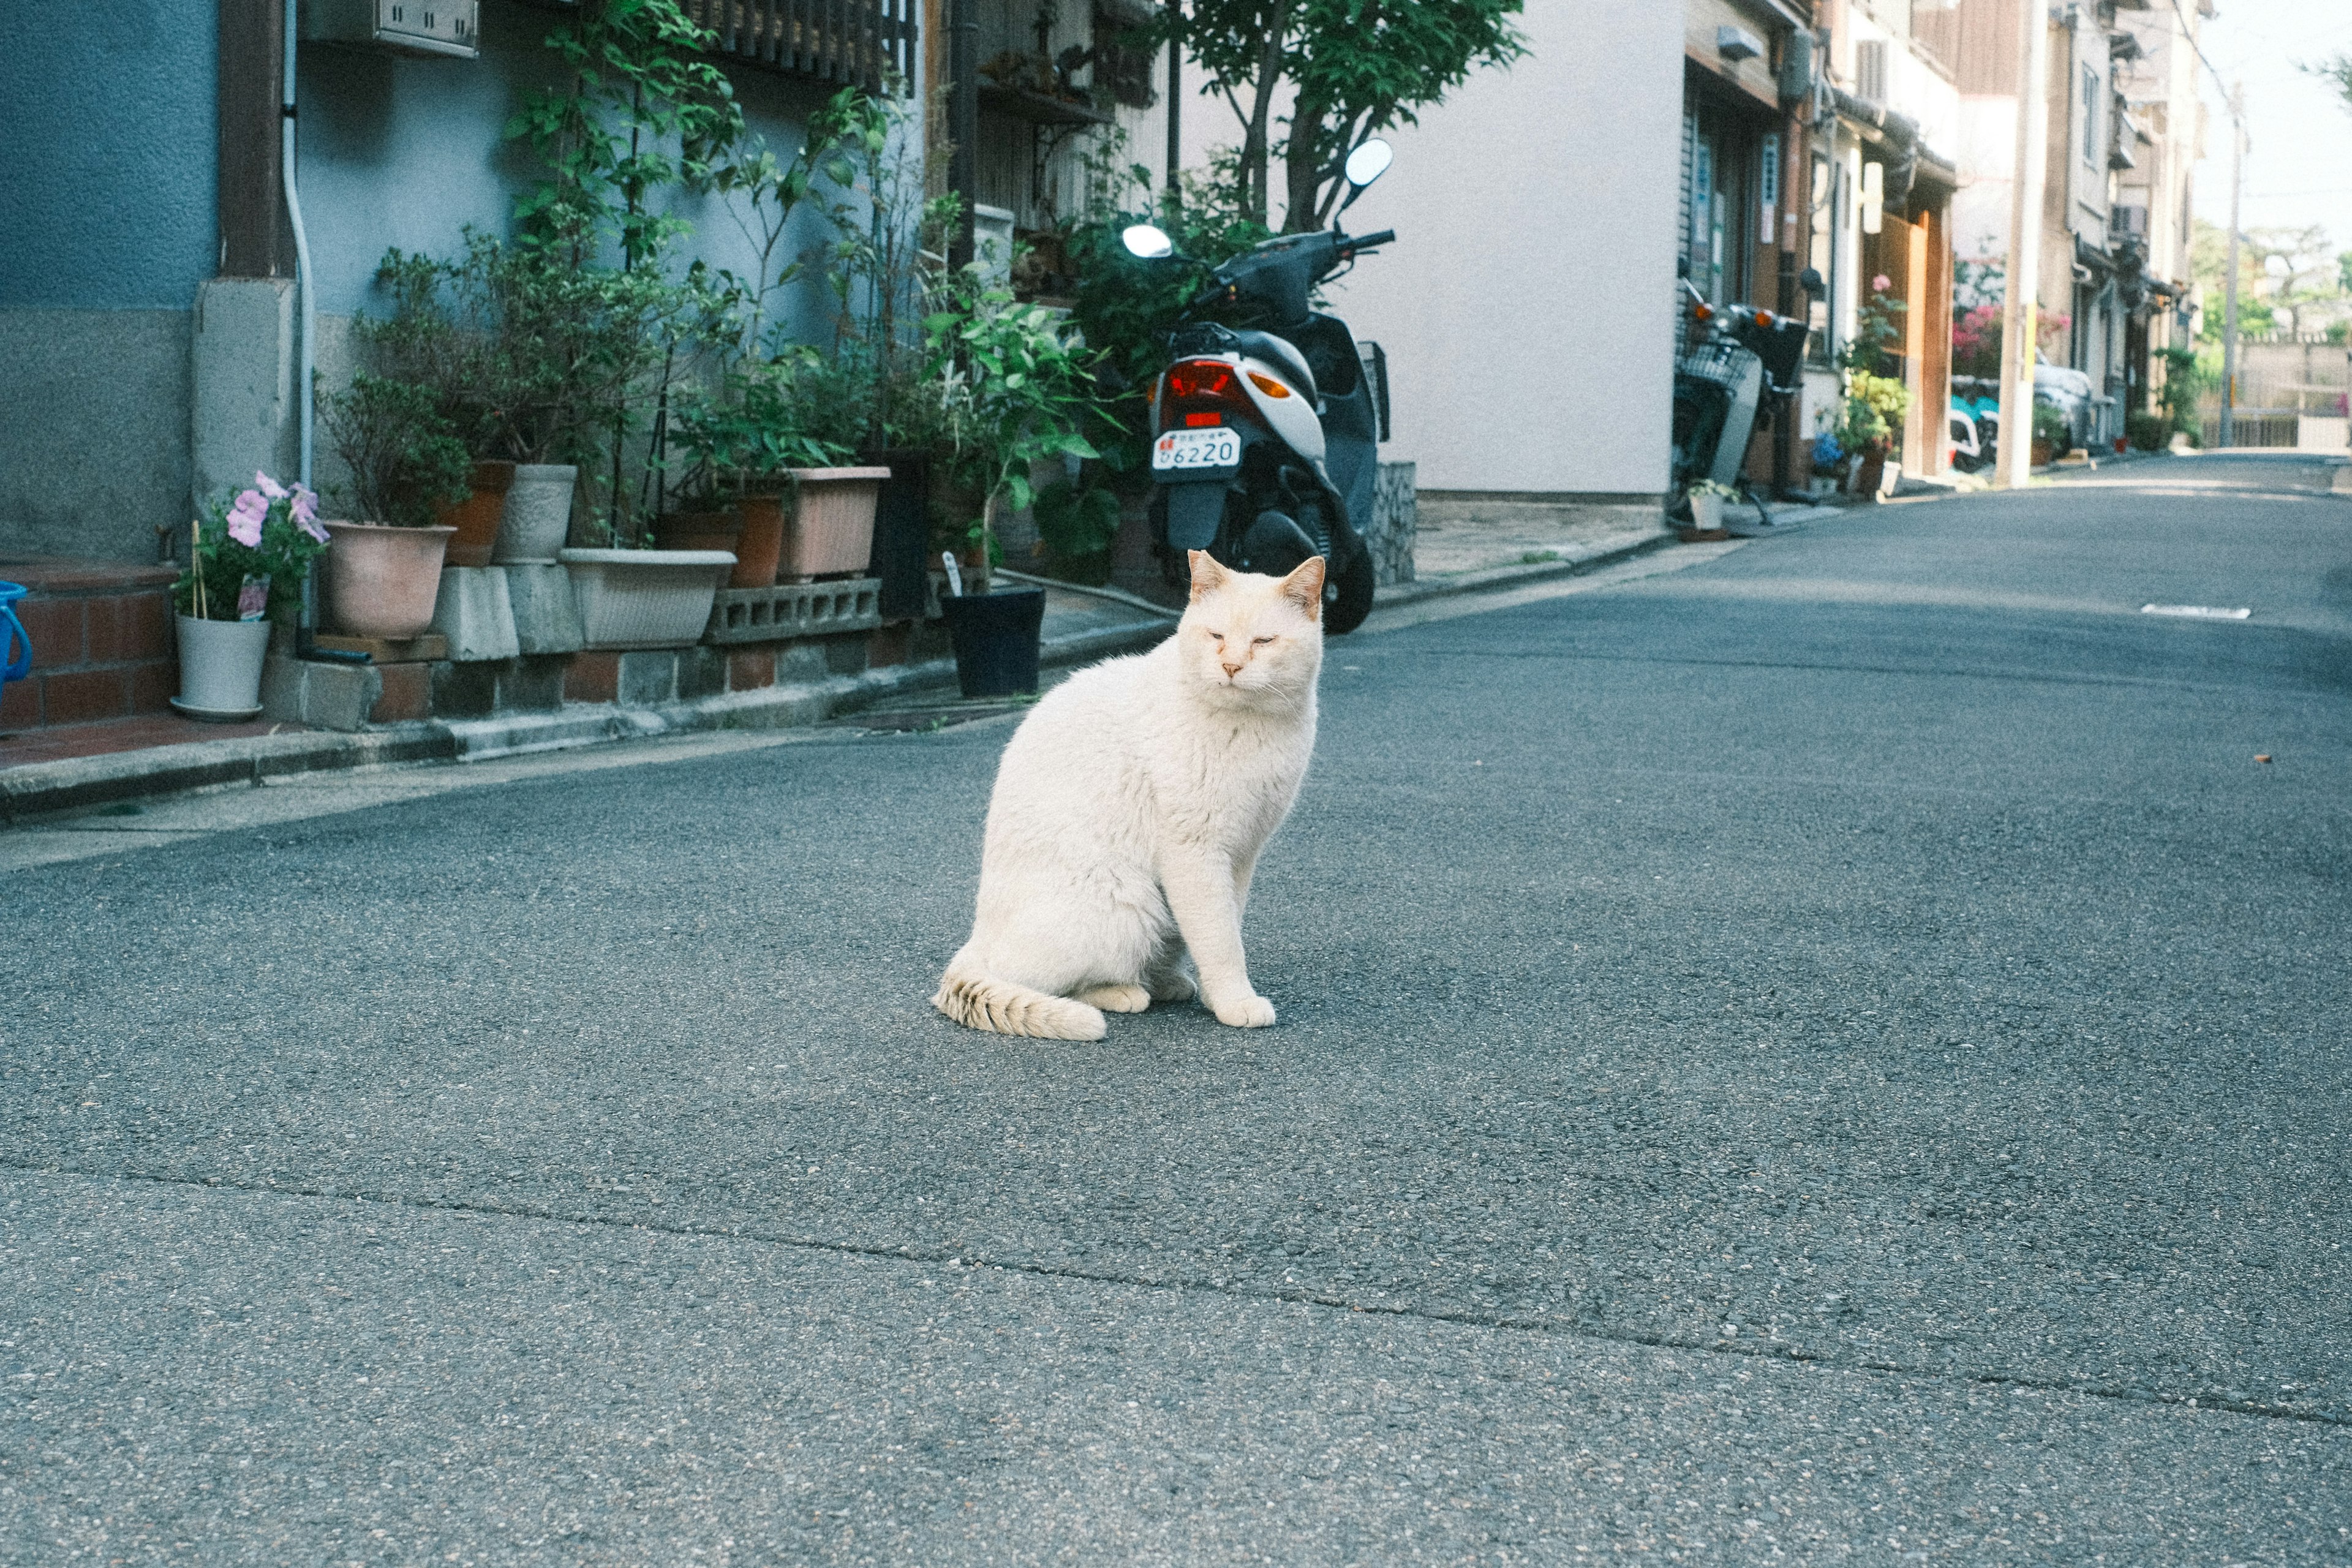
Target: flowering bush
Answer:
pixel 247 556
pixel 1874 401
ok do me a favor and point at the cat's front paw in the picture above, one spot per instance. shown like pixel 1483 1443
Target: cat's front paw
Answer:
pixel 1247 1013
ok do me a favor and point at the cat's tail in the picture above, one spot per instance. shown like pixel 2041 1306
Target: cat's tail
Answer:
pixel 981 1001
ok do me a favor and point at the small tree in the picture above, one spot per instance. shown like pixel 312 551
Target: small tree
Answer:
pixel 1355 65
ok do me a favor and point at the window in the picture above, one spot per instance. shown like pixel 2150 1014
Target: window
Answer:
pixel 2091 116
pixel 1870 69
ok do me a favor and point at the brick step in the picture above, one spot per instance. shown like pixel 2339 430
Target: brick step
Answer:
pixel 103 645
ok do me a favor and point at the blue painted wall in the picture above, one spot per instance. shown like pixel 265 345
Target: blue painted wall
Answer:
pixel 407 152
pixel 109 135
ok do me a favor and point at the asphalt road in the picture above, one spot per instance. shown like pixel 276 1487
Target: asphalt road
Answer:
pixel 1835 1052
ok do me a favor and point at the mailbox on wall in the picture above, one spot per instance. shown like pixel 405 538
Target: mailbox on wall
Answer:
pixel 446 28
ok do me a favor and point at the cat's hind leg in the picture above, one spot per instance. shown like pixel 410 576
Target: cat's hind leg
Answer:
pixel 1116 998
pixel 1169 976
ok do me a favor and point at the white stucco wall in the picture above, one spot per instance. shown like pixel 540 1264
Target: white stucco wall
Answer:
pixel 1527 307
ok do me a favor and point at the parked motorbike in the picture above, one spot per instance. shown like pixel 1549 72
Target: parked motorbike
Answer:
pixel 1737 367
pixel 1265 424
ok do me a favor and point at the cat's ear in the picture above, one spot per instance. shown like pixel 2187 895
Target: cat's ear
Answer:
pixel 1303 587
pixel 1207 575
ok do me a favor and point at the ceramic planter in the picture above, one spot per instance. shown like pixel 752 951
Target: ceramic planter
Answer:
pixel 477 517
pixel 382 582
pixel 538 515
pixel 220 667
pixel 1707 511
pixel 644 598
pixel 832 530
pixel 995 638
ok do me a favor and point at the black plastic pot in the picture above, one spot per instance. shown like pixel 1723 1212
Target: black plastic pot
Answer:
pixel 995 638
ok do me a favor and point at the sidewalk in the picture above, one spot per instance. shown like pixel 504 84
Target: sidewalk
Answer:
pixel 1478 548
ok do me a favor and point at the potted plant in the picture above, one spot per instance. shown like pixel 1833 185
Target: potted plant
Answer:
pixel 405 464
pixel 2052 435
pixel 1016 386
pixel 749 466
pixel 246 559
pixel 1707 502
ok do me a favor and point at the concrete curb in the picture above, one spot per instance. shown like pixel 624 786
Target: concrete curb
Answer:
pixel 1573 563
pixel 125 775
pixel 79 783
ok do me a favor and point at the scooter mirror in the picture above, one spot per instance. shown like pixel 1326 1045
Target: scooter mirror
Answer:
pixel 1369 162
pixel 1147 241
pixel 1810 281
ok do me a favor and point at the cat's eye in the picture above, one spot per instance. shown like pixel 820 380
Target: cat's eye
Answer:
pixel 1260 642
pixel 1219 636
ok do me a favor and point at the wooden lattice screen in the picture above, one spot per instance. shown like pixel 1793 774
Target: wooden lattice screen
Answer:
pixel 863 43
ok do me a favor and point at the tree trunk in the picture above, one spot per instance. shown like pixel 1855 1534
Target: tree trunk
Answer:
pixel 1303 165
pixel 1256 175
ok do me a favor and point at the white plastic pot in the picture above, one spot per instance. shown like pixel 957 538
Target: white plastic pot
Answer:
pixel 220 667
pixel 537 513
pixel 1707 511
pixel 645 598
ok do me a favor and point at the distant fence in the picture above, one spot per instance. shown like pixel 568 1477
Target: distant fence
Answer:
pixel 2254 427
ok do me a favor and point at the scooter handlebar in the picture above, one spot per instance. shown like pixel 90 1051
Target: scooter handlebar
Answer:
pixel 1368 241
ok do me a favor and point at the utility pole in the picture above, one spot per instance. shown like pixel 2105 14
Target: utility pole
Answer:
pixel 1171 193
pixel 2018 326
pixel 2229 289
pixel 963 122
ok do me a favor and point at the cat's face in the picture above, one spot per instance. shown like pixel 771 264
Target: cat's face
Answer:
pixel 1252 638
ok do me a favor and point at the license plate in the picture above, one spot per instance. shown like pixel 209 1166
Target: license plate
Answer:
pixel 1197 449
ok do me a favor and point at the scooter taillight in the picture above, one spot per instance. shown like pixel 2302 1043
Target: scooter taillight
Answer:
pixel 1202 392
pixel 1207 380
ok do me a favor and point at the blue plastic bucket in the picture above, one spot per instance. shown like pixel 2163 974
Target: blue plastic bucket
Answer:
pixel 16 648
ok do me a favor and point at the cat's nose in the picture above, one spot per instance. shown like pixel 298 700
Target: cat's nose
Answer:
pixel 1233 669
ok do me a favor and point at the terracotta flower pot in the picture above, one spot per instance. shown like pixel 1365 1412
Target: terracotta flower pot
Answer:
pixel 697 531
pixel 1870 474
pixel 382 581
pixel 2043 452
pixel 761 542
pixel 476 518
pixel 832 529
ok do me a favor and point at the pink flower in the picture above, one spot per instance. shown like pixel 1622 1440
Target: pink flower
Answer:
pixel 306 511
pixel 245 518
pixel 1880 284
pixel 268 486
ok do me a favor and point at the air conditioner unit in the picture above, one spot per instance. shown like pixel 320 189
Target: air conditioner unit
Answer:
pixel 444 27
pixel 2128 223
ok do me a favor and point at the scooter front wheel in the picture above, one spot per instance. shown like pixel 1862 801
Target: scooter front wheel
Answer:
pixel 1346 611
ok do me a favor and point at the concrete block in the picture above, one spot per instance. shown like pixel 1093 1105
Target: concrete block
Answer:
pixel 648 677
pixel 473 612
pixel 243 360
pixel 532 685
pixel 1395 527
pixel 465 691
pixel 322 696
pixel 701 672
pixel 545 617
pixel 799 663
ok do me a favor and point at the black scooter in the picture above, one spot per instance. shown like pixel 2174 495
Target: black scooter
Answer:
pixel 1737 367
pixel 1267 425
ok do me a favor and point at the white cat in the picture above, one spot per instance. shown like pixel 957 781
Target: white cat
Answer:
pixel 1128 813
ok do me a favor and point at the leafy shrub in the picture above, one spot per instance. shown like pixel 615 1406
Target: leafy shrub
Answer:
pixel 2147 430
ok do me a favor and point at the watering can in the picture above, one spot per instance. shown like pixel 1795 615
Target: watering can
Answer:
pixel 16 648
